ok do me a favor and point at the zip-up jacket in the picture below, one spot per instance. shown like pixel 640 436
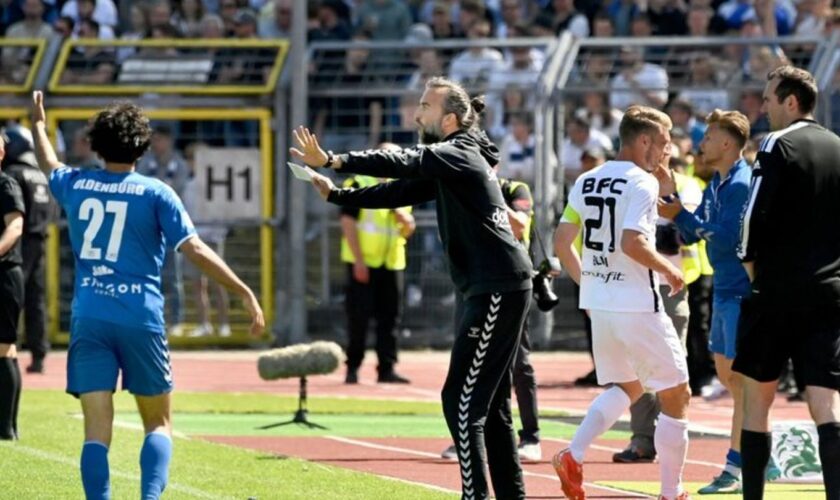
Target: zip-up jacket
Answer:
pixel 484 257
pixel 718 221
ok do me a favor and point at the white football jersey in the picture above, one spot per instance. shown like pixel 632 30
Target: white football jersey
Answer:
pixel 605 201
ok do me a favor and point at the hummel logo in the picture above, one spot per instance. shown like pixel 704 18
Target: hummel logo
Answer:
pixel 474 330
pixel 102 270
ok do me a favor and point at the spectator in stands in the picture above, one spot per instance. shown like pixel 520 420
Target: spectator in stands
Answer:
pixel 187 17
pixel 703 90
pixel 470 12
pixel 736 12
pixel 104 12
pixel 161 32
pixel 91 64
pixel 512 13
pixel 277 22
pixel 543 25
pixel 138 29
pixel 566 18
pixel 518 149
pixel 472 68
pixel 622 13
pixel 597 68
pixel 580 136
pixel 32 25
pixel 426 10
pixel 330 24
pixel 384 19
pixel 668 17
pixel 750 104
pixel 227 12
pixel 699 20
pixel 211 27
pixel 602 26
pixel 521 69
pixel 235 69
pixel 159 13
pixel 63 27
pixel 638 82
pixel 683 117
pixel 353 122
pixel 601 116
pixel 81 155
pixel 164 163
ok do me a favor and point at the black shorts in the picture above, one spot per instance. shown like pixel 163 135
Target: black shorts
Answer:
pixel 769 336
pixel 11 300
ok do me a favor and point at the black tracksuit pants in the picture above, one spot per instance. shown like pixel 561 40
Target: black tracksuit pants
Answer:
pixel 476 394
pixel 378 299
pixel 34 309
pixel 525 387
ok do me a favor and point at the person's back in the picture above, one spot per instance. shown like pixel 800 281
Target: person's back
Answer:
pixel 616 196
pixel 119 226
pixel 804 263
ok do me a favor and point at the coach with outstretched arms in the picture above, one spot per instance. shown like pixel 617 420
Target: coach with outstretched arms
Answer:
pixel 488 265
pixel 790 244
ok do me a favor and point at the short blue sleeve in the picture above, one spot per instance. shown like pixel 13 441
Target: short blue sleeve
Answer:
pixel 173 218
pixel 60 180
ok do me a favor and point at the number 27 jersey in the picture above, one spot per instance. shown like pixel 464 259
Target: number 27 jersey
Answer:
pixel 119 225
pixel 605 201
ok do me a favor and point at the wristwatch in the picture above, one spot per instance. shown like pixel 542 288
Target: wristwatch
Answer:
pixel 330 160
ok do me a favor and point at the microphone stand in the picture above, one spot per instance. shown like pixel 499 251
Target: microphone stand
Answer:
pixel 301 415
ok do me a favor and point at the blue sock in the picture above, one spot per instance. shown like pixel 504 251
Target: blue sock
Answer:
pixel 733 463
pixel 95 473
pixel 154 465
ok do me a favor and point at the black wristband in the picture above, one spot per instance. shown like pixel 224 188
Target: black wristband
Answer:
pixel 330 160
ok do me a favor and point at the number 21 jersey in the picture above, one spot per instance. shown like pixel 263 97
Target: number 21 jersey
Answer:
pixel 605 201
pixel 119 225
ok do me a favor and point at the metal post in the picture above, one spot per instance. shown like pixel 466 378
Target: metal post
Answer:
pixel 297 197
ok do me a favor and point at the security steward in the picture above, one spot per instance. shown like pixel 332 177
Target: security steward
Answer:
pixel 373 248
pixel 20 164
pixel 12 211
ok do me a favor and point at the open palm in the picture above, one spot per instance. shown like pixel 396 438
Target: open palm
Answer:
pixel 308 150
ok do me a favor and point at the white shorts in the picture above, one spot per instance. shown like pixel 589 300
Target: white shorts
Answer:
pixel 637 346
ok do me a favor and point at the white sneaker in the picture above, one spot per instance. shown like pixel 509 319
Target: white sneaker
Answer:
pixel 224 330
pixel 176 330
pixel 202 330
pixel 450 453
pixel 713 391
pixel 530 451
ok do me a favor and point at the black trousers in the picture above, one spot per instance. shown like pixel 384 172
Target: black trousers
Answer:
pixel 11 300
pixel 378 299
pixel 34 308
pixel 701 365
pixel 525 386
pixel 476 394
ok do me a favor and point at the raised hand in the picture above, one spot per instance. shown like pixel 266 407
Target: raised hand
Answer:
pixel 308 150
pixel 38 113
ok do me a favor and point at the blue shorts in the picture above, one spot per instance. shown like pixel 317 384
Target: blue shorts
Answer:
pixel 99 350
pixel 724 334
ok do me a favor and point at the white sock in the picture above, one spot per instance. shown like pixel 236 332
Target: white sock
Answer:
pixel 603 413
pixel 671 441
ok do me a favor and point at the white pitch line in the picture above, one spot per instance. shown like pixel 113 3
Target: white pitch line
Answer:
pixel 615 450
pixel 61 459
pixel 409 451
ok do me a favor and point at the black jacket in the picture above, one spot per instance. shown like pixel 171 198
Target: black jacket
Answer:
pixel 484 256
pixel 36 194
pixel 791 226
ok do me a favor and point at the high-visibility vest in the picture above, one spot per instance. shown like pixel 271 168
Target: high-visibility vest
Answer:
pixel 379 234
pixel 691 261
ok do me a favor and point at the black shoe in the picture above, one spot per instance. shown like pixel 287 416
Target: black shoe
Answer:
pixel 392 378
pixel 37 366
pixel 588 380
pixel 633 455
pixel 352 377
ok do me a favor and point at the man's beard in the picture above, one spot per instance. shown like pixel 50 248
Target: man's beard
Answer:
pixel 430 134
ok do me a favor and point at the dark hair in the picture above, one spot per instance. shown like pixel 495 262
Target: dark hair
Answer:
pixel 90 22
pixel 69 20
pixel 120 133
pixel 683 105
pixel 798 83
pixel 467 111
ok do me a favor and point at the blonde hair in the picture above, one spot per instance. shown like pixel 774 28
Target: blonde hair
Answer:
pixel 733 122
pixel 639 120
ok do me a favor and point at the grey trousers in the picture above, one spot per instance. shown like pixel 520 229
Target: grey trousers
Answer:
pixel 643 413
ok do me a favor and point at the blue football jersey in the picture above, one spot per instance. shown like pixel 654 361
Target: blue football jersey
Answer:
pixel 120 225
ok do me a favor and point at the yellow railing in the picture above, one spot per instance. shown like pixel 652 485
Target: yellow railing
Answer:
pixel 210 88
pixel 26 84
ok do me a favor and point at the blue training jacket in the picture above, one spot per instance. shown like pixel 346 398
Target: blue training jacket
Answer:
pixel 718 221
